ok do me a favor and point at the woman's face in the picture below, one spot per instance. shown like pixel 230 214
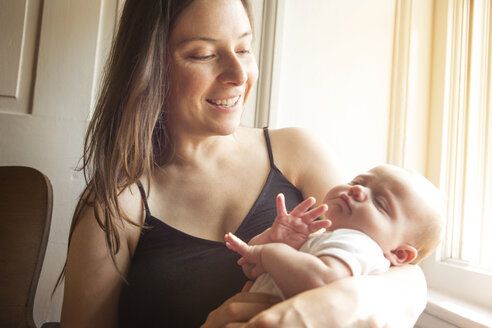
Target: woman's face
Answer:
pixel 212 67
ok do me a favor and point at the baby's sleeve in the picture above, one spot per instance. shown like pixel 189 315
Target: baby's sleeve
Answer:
pixel 356 249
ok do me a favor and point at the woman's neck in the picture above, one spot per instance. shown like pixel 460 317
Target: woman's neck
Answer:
pixel 197 151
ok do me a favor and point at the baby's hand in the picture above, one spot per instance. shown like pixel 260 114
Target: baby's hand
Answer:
pixel 295 227
pixel 251 255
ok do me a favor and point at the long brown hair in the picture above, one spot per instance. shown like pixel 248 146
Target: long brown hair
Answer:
pixel 127 136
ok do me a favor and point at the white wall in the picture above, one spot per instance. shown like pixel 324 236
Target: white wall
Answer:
pixel 335 75
pixel 347 70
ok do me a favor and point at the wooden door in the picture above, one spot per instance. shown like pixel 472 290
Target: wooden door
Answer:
pixel 51 53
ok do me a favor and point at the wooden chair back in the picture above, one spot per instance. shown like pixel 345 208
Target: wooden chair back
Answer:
pixel 26 200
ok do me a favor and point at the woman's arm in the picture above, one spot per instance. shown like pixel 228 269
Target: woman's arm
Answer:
pixel 239 309
pixel 393 299
pixel 92 282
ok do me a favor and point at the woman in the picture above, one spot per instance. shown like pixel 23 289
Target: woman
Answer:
pixel 170 172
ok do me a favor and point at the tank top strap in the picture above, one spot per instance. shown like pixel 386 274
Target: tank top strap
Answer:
pixel 269 146
pixel 144 198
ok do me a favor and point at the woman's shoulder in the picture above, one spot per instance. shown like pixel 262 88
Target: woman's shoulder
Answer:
pixel 291 147
pixel 284 141
pixel 292 138
pixel 249 134
pixel 131 202
pixel 285 138
pixel 131 207
pixel 308 163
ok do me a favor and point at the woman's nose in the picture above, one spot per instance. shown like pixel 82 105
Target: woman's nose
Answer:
pixel 358 193
pixel 234 71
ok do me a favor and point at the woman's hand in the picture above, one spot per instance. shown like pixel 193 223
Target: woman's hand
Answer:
pixel 393 299
pixel 240 308
pixel 334 306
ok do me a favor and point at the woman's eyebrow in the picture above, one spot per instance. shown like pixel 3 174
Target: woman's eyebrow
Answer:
pixel 210 39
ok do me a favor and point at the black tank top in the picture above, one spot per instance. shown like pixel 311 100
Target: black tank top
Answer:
pixel 176 280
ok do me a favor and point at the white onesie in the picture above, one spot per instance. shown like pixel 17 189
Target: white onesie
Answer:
pixel 361 254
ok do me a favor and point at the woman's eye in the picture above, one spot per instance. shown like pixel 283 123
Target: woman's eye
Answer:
pixel 244 52
pixel 202 58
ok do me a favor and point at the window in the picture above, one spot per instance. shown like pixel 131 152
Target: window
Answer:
pixel 460 157
pixel 467 155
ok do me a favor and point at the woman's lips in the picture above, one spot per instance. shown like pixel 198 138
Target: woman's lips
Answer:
pixel 225 105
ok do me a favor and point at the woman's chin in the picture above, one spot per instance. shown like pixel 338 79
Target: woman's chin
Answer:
pixel 227 129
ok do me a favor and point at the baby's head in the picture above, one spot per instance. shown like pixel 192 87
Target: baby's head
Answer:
pixel 398 208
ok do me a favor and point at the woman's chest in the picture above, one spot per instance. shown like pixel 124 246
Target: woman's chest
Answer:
pixel 208 206
pixel 176 280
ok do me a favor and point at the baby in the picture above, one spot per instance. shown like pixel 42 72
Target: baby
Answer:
pixel 387 216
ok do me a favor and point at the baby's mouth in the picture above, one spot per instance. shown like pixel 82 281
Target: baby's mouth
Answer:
pixel 346 200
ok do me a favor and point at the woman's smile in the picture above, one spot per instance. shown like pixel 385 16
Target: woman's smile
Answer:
pixel 228 104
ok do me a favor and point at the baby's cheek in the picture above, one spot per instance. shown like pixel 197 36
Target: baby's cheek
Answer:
pixel 333 210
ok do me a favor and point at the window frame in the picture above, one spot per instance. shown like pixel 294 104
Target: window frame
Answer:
pixel 449 96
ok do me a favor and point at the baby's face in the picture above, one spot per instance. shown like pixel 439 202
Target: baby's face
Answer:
pixel 378 203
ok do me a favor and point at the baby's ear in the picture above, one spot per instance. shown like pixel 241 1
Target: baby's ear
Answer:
pixel 402 255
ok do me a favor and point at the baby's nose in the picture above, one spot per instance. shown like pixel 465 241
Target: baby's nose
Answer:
pixel 358 193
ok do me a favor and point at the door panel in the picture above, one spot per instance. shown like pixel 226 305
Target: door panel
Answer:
pixel 19 27
pixel 63 43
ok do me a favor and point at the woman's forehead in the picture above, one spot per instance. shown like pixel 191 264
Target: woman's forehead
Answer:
pixel 212 19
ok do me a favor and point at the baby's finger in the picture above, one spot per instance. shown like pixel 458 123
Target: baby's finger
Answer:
pixel 303 206
pixel 280 203
pixel 236 244
pixel 317 225
pixel 247 286
pixel 233 247
pixel 314 213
